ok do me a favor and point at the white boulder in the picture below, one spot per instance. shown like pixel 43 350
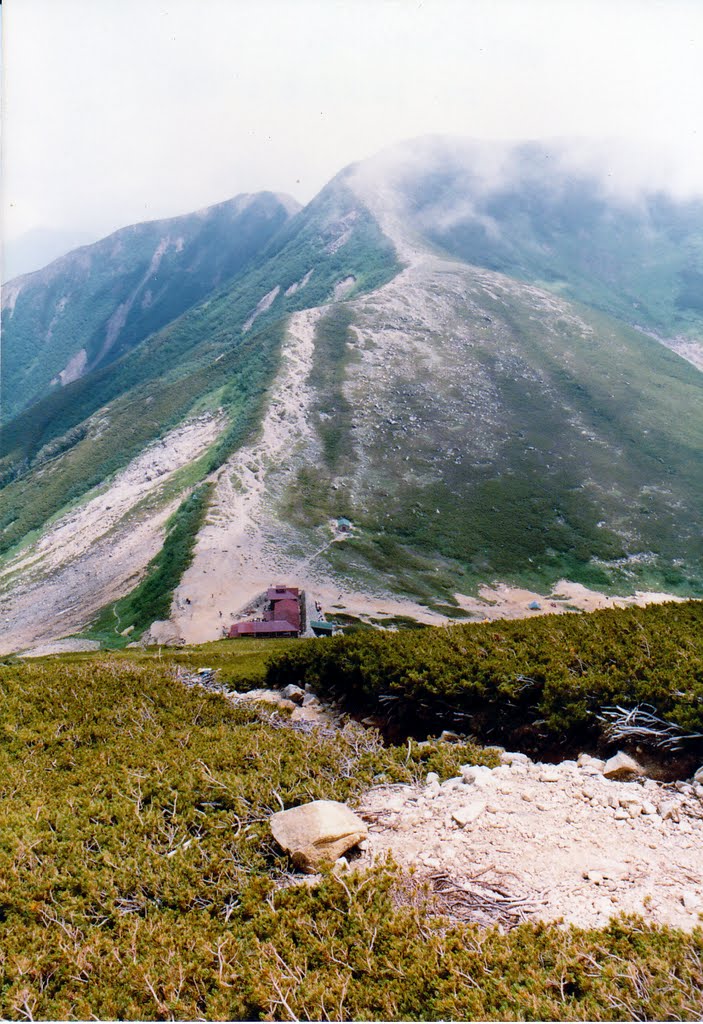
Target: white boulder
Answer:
pixel 317 834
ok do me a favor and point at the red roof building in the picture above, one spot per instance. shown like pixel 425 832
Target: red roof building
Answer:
pixel 281 618
pixel 263 630
pixel 282 593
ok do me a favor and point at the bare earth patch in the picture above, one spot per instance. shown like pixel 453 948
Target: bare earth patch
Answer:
pixel 97 552
pixel 556 840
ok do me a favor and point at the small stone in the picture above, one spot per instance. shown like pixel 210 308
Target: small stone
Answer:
pixel 593 763
pixel 310 700
pixel 431 777
pixel 622 766
pixel 450 784
pixel 698 776
pixel 340 865
pixel 621 814
pixel 594 876
pixel 476 775
pixel 294 693
pixel 541 806
pixel 630 800
pixel 648 808
pixel 670 811
pixel 364 845
pixel 634 810
pixel 432 789
pixel 527 797
pixel 448 736
pixel 470 812
pixel 690 900
pixel 550 775
pixel 514 757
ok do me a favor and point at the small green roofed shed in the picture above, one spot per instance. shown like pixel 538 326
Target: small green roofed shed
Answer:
pixel 322 628
pixel 344 524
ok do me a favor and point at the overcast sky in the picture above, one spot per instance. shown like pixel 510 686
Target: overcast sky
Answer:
pixel 116 112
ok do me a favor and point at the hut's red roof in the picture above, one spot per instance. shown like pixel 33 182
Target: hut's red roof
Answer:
pixel 286 610
pixel 256 628
pixel 282 593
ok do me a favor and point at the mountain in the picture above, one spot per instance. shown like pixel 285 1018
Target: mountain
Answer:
pixel 93 305
pixel 35 248
pixel 532 212
pixel 452 345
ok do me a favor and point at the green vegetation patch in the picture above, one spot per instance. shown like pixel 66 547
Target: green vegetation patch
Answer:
pixel 539 683
pixel 332 408
pixel 151 599
pixel 139 879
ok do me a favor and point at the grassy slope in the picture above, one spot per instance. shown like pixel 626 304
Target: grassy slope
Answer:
pixel 68 306
pixel 538 682
pixel 55 452
pixel 151 598
pixel 539 444
pixel 641 261
pixel 138 878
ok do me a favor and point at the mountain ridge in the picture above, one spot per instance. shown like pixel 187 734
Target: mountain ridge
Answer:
pixel 479 427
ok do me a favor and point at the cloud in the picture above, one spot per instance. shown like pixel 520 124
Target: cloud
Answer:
pixel 116 113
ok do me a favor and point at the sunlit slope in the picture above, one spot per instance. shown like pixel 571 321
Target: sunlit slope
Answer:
pixel 516 435
pixel 92 306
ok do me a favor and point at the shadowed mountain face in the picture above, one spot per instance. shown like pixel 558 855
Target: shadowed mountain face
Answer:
pixel 92 306
pixel 451 345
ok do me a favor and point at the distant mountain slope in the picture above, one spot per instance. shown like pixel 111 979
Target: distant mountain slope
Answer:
pixel 221 354
pixel 528 211
pixel 95 304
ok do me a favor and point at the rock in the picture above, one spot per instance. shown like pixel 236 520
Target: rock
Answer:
pixel 469 812
pixel 317 834
pixel 340 865
pixel 588 761
pixel 448 736
pixel 550 775
pixel 451 784
pixel 294 693
pixel 669 811
pixel 431 777
pixel 476 775
pixel 630 800
pixel 514 757
pixel 594 876
pixel 690 900
pixel 622 766
pixel 648 807
pixel 621 814
pixel 310 700
pixel 698 776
